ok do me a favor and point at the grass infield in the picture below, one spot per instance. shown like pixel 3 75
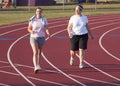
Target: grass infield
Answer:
pixel 23 13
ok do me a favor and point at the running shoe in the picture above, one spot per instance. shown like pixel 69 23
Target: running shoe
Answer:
pixel 71 61
pixel 37 68
pixel 81 66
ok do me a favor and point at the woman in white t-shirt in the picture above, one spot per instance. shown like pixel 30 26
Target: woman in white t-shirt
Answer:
pixel 37 27
pixel 78 31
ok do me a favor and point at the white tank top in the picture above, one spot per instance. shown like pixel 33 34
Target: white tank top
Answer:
pixel 79 24
pixel 38 25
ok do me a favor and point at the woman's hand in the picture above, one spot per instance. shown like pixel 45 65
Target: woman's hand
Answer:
pixel 48 33
pixel 70 35
pixel 32 32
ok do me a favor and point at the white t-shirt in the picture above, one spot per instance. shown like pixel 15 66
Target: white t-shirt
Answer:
pixel 38 25
pixel 79 24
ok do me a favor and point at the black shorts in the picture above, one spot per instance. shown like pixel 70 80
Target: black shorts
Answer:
pixel 79 42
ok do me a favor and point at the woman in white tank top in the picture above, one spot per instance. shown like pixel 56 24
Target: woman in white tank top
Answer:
pixel 78 32
pixel 37 27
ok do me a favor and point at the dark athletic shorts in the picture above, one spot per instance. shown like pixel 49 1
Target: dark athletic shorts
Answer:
pixel 79 42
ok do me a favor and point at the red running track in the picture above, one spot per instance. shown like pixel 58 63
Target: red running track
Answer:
pixel 102 58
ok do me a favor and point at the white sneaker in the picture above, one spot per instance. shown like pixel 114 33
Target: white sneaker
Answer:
pixel 71 61
pixel 81 66
pixel 37 68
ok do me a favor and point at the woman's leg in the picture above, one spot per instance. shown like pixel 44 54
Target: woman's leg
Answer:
pixel 41 43
pixel 72 55
pixel 35 53
pixel 39 54
pixel 81 56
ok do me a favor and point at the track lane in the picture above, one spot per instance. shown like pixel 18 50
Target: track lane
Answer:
pixel 56 30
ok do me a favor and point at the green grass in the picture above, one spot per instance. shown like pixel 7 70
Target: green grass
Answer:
pixel 22 14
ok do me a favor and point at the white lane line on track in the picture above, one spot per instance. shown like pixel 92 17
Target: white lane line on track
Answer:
pixel 46 81
pixel 105 73
pixel 60 25
pixel 8 54
pixel 86 78
pixel 27 23
pixel 97 18
pixel 57 26
pixel 25 28
pixel 9 60
pixel 11 73
pixel 62 71
pixel 114 20
pixel 53 71
pixel 100 43
pixel 6 26
pixel 1 27
pixel 91 65
pixel 98 68
pixel 111 54
pixel 12 31
pixel 1 84
pixel 37 79
pixel 5 67
pixel 105 25
pixel 58 68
